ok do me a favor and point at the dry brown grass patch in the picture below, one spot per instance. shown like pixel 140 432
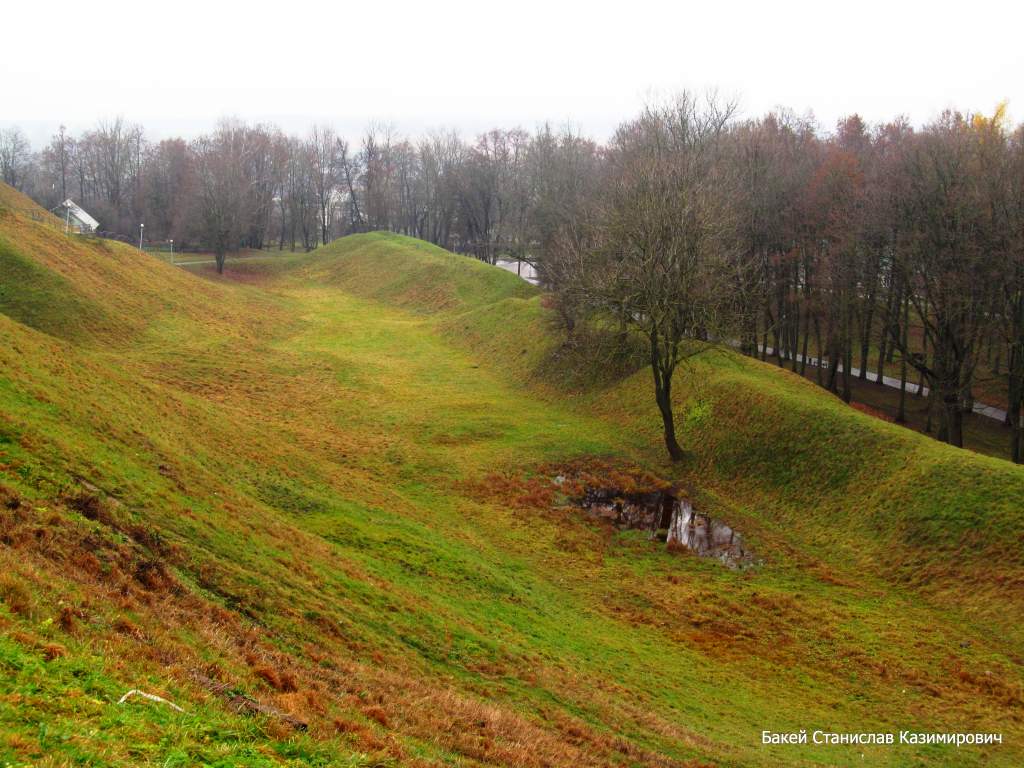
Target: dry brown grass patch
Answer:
pixel 16 596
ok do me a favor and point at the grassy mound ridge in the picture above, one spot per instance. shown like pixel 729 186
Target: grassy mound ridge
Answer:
pixel 88 289
pixel 411 274
pixel 46 301
pixel 322 492
pixel 13 201
pixel 940 518
pixel 888 499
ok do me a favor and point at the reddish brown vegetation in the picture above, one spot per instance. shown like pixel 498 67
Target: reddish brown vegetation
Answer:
pixel 16 596
pixel 53 651
pixel 129 576
pixel 871 411
pixel 540 491
pixel 277 679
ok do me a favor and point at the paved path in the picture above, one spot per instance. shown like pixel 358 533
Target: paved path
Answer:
pixel 980 408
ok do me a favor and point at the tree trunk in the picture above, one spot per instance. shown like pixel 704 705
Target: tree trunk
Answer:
pixel 818 350
pixel 663 396
pixel 865 341
pixel 953 424
pixel 807 334
pixel 764 335
pixel 833 367
pixel 794 337
pixel 920 379
pixel 1017 439
pixel 887 328
pixel 901 413
pixel 1015 401
pixel 848 351
pixel 848 371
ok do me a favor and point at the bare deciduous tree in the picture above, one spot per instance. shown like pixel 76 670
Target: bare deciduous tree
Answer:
pixel 660 259
pixel 15 157
pixel 950 279
pixel 223 187
pixel 322 151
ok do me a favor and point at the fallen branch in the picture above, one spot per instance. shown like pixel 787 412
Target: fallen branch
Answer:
pixel 151 697
pixel 246 705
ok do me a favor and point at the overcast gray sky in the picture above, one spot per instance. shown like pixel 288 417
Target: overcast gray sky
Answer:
pixel 179 65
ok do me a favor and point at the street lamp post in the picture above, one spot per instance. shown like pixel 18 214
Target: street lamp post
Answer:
pixel 172 251
pixel 141 227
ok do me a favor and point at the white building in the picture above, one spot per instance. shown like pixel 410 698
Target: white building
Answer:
pixel 76 219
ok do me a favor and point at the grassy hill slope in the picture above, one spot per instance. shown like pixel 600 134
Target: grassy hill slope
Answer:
pixel 945 520
pixel 322 482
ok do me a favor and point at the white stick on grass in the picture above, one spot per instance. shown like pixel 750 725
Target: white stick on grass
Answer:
pixel 151 697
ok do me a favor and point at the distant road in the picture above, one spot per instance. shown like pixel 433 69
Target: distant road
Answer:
pixel 524 269
pixel 980 408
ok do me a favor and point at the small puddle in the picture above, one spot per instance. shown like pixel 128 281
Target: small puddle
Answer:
pixel 642 511
pixel 706 536
pixel 669 518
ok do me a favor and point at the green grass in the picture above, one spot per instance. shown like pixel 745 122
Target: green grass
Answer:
pixel 319 480
pixel 44 300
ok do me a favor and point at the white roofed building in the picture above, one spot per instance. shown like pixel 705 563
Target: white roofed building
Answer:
pixel 75 218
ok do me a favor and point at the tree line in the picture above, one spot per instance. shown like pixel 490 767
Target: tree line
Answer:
pixel 884 248
pixel 253 186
